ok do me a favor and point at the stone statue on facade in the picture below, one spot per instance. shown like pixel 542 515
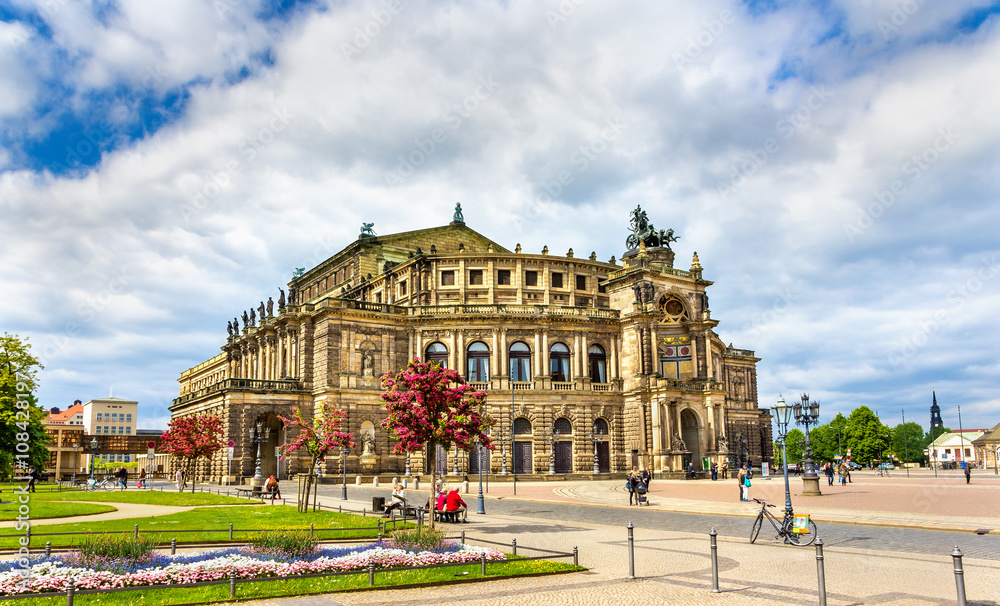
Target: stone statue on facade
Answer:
pixel 293 296
pixel 368 444
pixel 236 327
pixel 281 299
pixel 260 312
pixel 720 443
pixel 246 320
pixel 367 231
pixel 253 317
pixel 679 444
pixel 367 363
pixel 643 232
pixel 270 307
pixel 458 217
pixel 229 328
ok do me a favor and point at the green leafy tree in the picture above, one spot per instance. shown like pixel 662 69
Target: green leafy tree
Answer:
pixel 867 436
pixel 796 443
pixel 908 442
pixel 823 440
pixel 838 425
pixel 22 430
pixel 933 434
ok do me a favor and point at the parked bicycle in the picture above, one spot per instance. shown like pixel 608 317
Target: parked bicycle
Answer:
pixel 785 528
pixel 107 484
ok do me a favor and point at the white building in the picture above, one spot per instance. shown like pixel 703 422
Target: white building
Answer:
pixel 955 447
pixel 111 416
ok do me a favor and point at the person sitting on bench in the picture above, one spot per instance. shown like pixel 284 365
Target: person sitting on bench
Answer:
pixel 398 501
pixel 456 506
pixel 272 488
pixel 439 507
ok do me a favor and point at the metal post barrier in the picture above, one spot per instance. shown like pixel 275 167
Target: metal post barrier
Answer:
pixel 27 535
pixel 230 531
pixel 820 572
pixel 463 537
pixel 371 575
pixel 135 533
pixel 715 560
pixel 956 557
pixel 48 548
pixel 173 546
pixel 513 546
pixel 420 519
pixel 576 556
pixel 631 551
pixel 70 590
pixel 310 530
pixel 482 560
pixel 232 584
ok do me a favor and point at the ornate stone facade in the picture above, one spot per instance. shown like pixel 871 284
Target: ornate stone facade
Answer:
pixel 597 366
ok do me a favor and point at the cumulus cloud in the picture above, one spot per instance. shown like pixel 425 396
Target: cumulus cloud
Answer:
pixel 832 166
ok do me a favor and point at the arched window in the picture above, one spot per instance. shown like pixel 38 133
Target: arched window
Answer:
pixel 478 362
pixel 562 427
pixel 598 364
pixel 437 352
pixel 559 362
pixel 600 427
pixel 522 426
pixel 520 362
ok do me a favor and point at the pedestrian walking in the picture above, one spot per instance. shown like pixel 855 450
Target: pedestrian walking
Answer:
pixel 630 484
pixel 179 479
pixel 744 477
pixel 715 471
pixel 32 476
pixel 645 476
pixel 122 475
pixel 725 469
pixel 140 482
pixel 828 470
pixel 968 471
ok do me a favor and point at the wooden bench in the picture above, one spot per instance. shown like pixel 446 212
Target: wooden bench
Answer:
pixel 256 492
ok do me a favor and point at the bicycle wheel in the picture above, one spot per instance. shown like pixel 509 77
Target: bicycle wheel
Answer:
pixel 109 486
pixel 756 527
pixel 802 539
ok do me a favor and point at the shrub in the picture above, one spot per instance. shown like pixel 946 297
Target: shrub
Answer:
pixel 293 544
pixel 413 539
pixel 115 552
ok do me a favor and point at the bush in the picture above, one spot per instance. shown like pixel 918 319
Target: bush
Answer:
pixel 115 552
pixel 420 540
pixel 293 544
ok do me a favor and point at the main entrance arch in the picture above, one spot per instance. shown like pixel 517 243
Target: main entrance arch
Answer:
pixel 691 434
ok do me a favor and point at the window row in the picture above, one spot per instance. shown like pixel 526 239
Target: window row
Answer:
pixel 112 430
pixel 478 361
pixel 562 426
pixel 114 416
pixel 503 278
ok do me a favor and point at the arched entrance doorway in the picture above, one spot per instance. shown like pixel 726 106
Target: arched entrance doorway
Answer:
pixel 269 464
pixel 691 434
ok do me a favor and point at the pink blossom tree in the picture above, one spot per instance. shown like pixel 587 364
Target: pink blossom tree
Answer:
pixel 319 436
pixel 191 438
pixel 430 406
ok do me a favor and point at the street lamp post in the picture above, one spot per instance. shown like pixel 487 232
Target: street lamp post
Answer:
pixel 934 457
pixel 259 436
pixel 807 413
pixel 782 416
pixel 905 442
pixel 93 455
pixel 503 451
pixel 593 437
pixel 481 506
pixel 961 439
pixel 996 463
pixel 552 452
pixel 408 472
pixel 343 471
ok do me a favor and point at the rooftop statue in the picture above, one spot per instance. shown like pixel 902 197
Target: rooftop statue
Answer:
pixel 458 217
pixel 644 232
pixel 366 230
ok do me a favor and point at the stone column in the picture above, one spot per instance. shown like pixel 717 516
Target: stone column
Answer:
pixel 453 354
pixel 496 355
pixel 420 352
pixel 544 352
pixel 654 358
pixel 538 355
pixel 504 368
pixel 614 372
pixel 576 356
pixel 460 352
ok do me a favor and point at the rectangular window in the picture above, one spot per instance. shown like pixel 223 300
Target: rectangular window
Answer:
pixel 378 297
pixel 531 278
pixel 475 276
pixel 114 416
pixel 402 288
pixel 581 282
pixel 557 280
pixel 448 278
pixel 99 417
pixel 967 453
pixel 602 288
pixel 106 429
pixel 128 417
pixel 503 277
pixel 128 430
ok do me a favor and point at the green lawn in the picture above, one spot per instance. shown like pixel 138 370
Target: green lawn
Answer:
pixel 38 509
pixel 145 497
pixel 258 590
pixel 268 517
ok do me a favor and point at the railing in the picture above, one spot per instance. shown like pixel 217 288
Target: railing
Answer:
pixel 522 385
pixel 512 309
pixel 740 353
pixel 600 386
pixel 481 386
pixel 281 385
pixel 561 386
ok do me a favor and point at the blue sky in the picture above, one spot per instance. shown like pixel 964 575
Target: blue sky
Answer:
pixel 165 165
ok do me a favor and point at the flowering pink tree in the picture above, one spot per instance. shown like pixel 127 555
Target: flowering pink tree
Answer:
pixel 430 405
pixel 320 436
pixel 191 438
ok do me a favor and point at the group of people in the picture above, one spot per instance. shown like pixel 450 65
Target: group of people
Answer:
pixel 637 484
pixel 841 469
pixel 448 504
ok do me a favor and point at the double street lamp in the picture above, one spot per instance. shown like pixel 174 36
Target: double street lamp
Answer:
pixel 93 455
pixel 782 417
pixel 481 505
pixel 343 470
pixel 259 436
pixel 807 413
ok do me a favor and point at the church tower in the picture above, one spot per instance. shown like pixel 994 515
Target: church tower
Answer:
pixel 935 412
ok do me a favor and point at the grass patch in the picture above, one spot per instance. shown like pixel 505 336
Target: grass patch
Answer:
pixel 268 517
pixel 144 497
pixel 269 589
pixel 39 510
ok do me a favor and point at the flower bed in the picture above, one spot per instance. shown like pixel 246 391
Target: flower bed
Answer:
pixel 54 573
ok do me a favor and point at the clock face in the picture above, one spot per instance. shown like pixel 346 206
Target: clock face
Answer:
pixel 674 307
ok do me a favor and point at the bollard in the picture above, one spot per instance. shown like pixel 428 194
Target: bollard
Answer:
pixel 173 546
pixel 576 556
pixel 27 535
pixel 70 590
pixel 482 560
pixel 135 533
pixel 463 537
pixel 715 560
pixel 820 572
pixel 956 557
pixel 513 546
pixel 371 575
pixel 48 548
pixel 230 531
pixel 420 518
pixel 631 551
pixel 364 512
pixel 232 584
pixel 310 529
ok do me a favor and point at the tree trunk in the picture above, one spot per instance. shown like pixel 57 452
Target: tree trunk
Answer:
pixel 191 463
pixel 433 490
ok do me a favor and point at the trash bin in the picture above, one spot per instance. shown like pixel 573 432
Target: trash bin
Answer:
pixel 378 504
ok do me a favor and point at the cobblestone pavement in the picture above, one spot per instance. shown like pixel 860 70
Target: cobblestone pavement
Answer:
pixel 674 568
